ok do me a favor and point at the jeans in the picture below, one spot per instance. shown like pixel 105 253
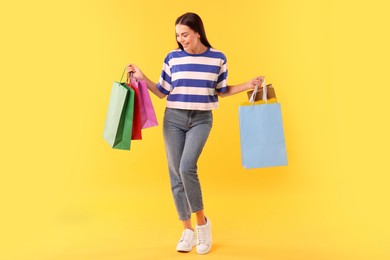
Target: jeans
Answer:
pixel 185 134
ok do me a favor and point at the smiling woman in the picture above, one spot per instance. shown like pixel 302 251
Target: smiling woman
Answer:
pixel 188 40
pixel 65 195
pixel 187 37
pixel 192 78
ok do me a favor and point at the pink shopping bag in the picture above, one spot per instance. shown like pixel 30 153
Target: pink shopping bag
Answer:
pixel 148 115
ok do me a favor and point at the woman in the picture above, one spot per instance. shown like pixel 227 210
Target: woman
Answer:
pixel 192 78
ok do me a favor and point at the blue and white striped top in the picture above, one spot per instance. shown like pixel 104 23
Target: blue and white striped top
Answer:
pixel 192 81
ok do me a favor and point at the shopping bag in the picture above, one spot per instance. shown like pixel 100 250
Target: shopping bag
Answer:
pixel 261 133
pixel 119 119
pixel 148 115
pixel 136 132
pixel 269 94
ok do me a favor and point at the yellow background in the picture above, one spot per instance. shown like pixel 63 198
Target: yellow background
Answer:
pixel 64 194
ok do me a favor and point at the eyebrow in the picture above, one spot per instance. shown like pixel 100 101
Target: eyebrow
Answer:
pixel 181 33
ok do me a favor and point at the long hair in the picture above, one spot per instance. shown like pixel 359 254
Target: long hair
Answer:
pixel 193 21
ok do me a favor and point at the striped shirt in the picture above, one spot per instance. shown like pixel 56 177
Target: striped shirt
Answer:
pixel 192 81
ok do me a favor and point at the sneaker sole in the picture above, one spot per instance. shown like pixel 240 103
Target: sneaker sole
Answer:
pixel 185 250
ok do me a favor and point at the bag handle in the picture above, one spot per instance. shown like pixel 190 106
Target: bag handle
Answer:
pixel 127 80
pixel 256 89
pixel 130 77
pixel 122 75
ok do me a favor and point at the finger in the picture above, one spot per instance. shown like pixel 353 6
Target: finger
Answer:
pixel 130 68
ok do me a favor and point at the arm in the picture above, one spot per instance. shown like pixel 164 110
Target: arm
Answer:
pixel 232 90
pixel 137 73
pixel 153 87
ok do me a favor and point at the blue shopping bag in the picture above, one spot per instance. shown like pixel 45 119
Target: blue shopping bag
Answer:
pixel 262 135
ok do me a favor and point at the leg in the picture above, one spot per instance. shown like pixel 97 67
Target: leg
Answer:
pixel 174 138
pixel 200 218
pixel 187 224
pixel 195 140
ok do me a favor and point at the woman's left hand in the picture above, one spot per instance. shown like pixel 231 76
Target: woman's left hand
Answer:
pixel 258 81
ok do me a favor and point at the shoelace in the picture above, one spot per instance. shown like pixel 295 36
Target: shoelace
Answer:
pixel 202 235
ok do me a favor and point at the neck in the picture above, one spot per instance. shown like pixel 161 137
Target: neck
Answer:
pixel 198 49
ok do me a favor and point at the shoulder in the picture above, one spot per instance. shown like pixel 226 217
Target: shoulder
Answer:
pixel 174 53
pixel 217 54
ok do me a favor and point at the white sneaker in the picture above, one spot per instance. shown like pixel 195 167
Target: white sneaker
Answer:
pixel 203 243
pixel 187 241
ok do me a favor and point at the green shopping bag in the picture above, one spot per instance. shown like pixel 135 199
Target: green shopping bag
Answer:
pixel 119 119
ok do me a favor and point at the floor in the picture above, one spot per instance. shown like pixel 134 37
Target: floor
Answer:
pixel 116 225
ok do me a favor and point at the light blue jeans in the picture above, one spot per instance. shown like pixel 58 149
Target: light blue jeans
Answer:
pixel 185 134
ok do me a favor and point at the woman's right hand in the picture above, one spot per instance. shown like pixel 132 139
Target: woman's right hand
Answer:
pixel 137 73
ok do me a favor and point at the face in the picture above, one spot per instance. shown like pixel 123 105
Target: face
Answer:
pixel 189 39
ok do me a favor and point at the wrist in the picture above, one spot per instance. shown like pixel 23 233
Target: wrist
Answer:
pixel 143 77
pixel 250 85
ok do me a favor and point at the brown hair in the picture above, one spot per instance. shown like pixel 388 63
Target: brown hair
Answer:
pixel 193 21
